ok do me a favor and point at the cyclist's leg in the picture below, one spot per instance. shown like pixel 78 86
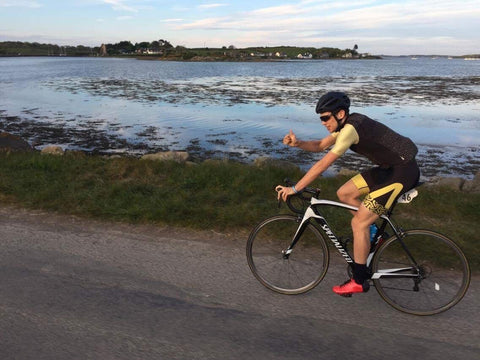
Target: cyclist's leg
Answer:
pixel 383 187
pixel 350 192
pixel 361 222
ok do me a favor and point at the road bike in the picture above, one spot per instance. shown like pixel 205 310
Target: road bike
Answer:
pixel 417 271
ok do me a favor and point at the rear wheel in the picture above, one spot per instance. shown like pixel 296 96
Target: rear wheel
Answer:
pixel 293 273
pixel 433 278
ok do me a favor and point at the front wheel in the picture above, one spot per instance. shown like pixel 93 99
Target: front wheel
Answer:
pixel 424 274
pixel 288 273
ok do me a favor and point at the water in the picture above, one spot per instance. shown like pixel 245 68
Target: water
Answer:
pixel 240 110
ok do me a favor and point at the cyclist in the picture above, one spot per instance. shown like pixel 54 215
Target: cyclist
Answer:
pixel 396 172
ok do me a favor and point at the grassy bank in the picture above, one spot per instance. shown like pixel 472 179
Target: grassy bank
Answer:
pixel 212 195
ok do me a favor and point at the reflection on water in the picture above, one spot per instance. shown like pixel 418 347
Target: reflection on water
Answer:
pixel 239 110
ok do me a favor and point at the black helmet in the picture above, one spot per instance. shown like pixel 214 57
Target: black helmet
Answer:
pixel 333 101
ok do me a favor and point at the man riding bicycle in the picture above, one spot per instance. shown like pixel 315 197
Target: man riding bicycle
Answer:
pixel 396 172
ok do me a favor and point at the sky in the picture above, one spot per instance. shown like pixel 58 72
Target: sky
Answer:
pixel 402 27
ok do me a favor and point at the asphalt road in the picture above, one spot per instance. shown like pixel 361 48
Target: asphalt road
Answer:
pixel 77 289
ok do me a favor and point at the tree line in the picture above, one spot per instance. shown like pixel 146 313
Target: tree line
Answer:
pixel 163 48
pixel 126 47
pixel 18 48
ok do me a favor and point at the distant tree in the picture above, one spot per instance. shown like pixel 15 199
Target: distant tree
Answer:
pixel 164 44
pixel 355 48
pixel 180 49
pixel 142 45
pixel 123 47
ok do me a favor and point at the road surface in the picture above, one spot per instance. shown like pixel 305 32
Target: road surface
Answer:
pixel 79 289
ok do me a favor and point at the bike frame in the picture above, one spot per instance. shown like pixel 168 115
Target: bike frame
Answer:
pixel 313 212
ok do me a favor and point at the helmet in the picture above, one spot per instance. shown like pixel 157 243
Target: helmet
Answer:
pixel 333 101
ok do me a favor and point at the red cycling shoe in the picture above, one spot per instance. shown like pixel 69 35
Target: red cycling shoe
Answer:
pixel 350 287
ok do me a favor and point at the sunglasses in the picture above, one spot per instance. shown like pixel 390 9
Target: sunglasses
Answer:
pixel 325 118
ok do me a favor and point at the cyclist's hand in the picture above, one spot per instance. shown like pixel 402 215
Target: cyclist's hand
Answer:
pixel 290 139
pixel 283 192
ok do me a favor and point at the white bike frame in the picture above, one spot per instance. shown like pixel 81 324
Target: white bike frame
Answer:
pixel 313 213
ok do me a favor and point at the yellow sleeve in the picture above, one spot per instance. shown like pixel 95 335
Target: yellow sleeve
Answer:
pixel 345 138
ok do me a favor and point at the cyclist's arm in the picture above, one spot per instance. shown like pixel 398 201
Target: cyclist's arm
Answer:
pixel 342 140
pixel 316 170
pixel 310 145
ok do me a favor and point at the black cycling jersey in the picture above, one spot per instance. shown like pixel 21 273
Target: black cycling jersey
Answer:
pixel 379 143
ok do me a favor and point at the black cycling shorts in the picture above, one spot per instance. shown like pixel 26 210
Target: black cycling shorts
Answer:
pixel 384 185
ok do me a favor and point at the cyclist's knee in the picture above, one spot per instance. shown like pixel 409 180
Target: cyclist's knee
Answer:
pixel 348 192
pixel 359 223
pixel 363 218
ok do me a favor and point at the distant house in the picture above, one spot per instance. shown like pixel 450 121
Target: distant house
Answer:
pixel 305 56
pixel 147 51
pixel 260 54
pixel 154 52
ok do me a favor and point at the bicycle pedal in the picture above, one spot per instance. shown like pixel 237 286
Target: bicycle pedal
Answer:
pixel 346 295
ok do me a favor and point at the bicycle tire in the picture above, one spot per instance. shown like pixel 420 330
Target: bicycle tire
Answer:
pixel 298 273
pixel 443 275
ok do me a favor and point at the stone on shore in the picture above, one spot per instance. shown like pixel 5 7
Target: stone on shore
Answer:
pixel 9 142
pixel 52 150
pixel 454 183
pixel 472 186
pixel 177 156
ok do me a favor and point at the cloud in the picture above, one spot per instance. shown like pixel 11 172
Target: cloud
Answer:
pixel 171 20
pixel 343 17
pixel 120 5
pixel 281 10
pixel 123 18
pixel 208 23
pixel 373 24
pixel 210 6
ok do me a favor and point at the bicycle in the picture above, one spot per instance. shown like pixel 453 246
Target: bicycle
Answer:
pixel 418 271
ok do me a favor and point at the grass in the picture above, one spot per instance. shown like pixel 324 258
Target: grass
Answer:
pixel 211 195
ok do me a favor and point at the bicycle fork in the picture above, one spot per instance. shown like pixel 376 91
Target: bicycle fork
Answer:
pixel 303 225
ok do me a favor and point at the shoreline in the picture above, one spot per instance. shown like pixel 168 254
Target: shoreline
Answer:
pixel 92 140
pixel 247 59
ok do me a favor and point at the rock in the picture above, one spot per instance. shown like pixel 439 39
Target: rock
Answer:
pixel 454 183
pixel 472 186
pixel 264 161
pixel 52 150
pixel 9 142
pixel 177 156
